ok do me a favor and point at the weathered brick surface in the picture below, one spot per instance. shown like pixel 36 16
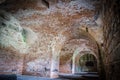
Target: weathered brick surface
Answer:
pixel 111 19
pixel 54 26
pixel 10 62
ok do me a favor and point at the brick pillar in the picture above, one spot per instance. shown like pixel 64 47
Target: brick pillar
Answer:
pixel 73 65
pixel 54 66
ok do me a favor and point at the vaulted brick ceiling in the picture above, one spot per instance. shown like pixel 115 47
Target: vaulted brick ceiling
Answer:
pixel 62 21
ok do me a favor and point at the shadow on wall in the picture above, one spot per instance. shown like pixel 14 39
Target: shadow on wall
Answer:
pixel 8 77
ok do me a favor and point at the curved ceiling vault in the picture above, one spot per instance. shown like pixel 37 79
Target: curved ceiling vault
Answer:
pixel 83 40
pixel 64 25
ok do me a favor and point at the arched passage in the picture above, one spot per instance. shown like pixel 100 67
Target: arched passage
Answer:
pixel 80 40
pixel 81 51
pixel 70 51
pixel 85 62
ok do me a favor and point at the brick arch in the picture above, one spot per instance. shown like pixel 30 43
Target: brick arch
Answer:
pixel 77 33
pixel 84 53
pixel 69 35
pixel 66 58
pixel 78 57
pixel 81 34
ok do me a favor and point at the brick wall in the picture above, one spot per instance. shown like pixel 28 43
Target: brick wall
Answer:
pixel 10 62
pixel 111 28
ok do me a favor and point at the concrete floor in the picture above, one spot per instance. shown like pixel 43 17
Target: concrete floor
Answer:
pixel 78 76
pixel 21 77
pixel 25 77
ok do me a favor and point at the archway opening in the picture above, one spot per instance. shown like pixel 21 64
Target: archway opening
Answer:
pixel 86 63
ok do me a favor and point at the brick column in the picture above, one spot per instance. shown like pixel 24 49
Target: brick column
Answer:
pixel 54 66
pixel 73 65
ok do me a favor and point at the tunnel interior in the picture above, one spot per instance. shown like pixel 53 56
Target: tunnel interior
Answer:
pixel 60 39
pixel 87 63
